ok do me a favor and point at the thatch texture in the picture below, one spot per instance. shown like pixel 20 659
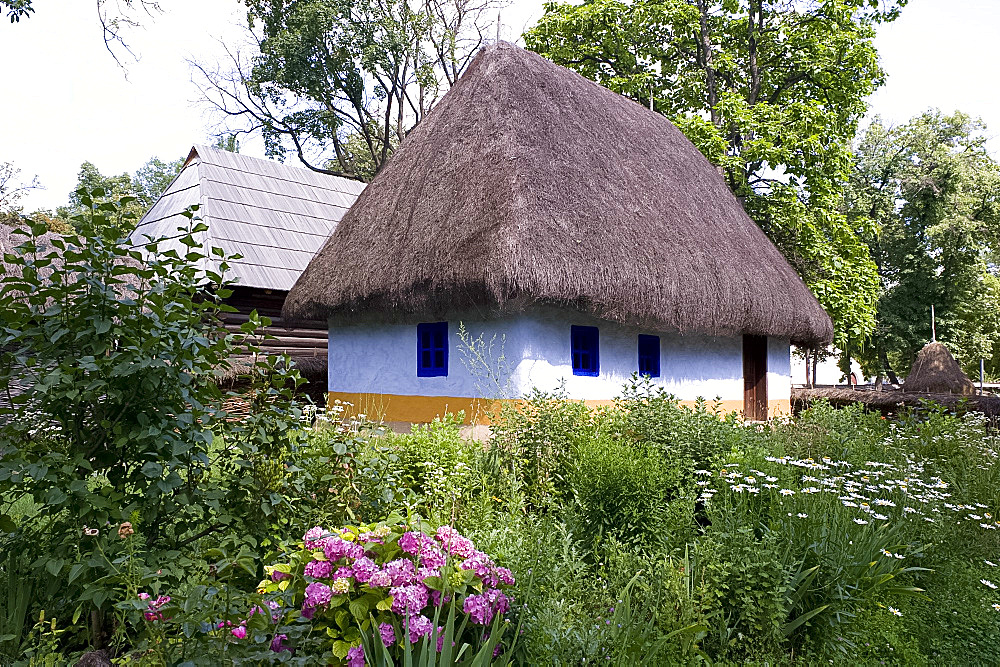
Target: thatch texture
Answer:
pixel 529 184
pixel 891 401
pixel 935 370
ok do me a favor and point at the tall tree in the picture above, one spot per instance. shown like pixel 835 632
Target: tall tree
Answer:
pixel 934 191
pixel 339 83
pixel 771 91
pixel 142 189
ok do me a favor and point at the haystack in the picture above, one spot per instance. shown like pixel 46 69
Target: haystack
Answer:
pixel 530 185
pixel 936 371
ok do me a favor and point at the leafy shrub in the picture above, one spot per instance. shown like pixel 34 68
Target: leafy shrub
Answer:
pixel 621 490
pixel 119 350
pixel 532 440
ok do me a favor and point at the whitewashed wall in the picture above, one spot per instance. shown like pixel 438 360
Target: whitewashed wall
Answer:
pixel 381 359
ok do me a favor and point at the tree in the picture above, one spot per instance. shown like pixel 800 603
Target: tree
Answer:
pixel 934 191
pixel 114 21
pixel 143 188
pixel 153 178
pixel 771 91
pixel 12 188
pixel 339 83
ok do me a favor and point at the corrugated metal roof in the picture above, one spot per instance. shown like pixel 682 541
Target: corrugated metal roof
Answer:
pixel 276 216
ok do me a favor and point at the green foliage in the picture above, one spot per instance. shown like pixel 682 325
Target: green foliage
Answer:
pixel 933 190
pixel 771 92
pixel 118 350
pixel 339 83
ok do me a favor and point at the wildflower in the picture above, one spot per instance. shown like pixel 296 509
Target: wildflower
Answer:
pixel 810 489
pixel 887 554
pixel 702 472
pixel 988 583
pixel 861 522
pixel 240 632
pixel 787 492
pixel 802 515
pixel 996 606
pixel 125 530
pixel 356 657
pixel 990 563
pixel 387 633
pixel 895 612
pixel 90 532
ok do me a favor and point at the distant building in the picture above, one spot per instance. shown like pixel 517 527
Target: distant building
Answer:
pixel 584 229
pixel 276 217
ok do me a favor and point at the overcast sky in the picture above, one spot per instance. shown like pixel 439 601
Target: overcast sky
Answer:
pixel 65 100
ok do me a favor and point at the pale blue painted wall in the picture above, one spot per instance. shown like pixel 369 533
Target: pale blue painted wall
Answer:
pixel 381 359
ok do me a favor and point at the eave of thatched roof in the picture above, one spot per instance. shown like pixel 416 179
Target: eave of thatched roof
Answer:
pixel 529 184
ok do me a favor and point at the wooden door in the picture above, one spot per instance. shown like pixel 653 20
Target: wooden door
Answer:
pixel 755 377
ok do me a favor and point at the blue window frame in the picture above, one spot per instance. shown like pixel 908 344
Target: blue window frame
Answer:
pixel 649 355
pixel 585 346
pixel 432 349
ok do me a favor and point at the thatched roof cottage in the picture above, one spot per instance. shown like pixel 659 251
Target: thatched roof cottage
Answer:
pixel 276 217
pixel 582 229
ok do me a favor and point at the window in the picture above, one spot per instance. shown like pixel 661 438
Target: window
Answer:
pixel 649 356
pixel 432 349
pixel 586 355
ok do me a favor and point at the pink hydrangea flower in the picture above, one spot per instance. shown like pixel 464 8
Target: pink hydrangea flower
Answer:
pixel 482 565
pixel 312 537
pixel 401 571
pixel 420 626
pixel 364 568
pixel 319 569
pixel 388 634
pixel 409 599
pixel 481 608
pixel 433 558
pixel 317 594
pixel 278 576
pixel 425 572
pixel 505 576
pixel 344 573
pixel 380 578
pixel 335 548
pixel 278 644
pixel 356 657
pixel 454 543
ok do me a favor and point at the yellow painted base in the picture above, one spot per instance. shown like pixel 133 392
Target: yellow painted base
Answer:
pixel 398 409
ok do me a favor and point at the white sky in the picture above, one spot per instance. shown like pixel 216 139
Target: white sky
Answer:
pixel 65 100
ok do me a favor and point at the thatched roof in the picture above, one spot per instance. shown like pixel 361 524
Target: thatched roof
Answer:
pixel 891 401
pixel 275 216
pixel 529 184
pixel 935 370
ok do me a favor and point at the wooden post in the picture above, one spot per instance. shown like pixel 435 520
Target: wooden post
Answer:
pixel 933 330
